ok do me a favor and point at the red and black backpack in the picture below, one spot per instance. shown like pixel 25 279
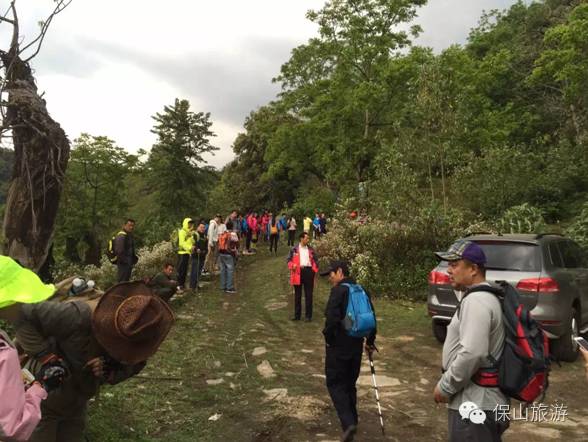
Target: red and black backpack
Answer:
pixel 522 370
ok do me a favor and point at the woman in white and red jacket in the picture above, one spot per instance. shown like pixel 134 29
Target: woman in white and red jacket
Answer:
pixel 302 262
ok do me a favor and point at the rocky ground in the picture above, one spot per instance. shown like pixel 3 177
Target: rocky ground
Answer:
pixel 235 368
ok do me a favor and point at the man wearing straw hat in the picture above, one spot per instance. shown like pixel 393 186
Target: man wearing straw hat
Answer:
pixel 106 340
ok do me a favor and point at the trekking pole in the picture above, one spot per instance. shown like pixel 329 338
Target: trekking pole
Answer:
pixel 376 389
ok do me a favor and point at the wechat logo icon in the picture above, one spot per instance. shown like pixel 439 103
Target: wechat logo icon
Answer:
pixel 469 410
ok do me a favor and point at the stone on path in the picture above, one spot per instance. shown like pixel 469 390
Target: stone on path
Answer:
pixel 304 350
pixel 258 351
pixel 217 364
pixel 276 394
pixel 424 381
pixel 215 417
pixel 382 381
pixel 404 338
pixel 276 305
pixel 265 369
pixel 185 317
pixel 215 381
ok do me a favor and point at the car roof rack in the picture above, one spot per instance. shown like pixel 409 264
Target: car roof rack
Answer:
pixel 541 235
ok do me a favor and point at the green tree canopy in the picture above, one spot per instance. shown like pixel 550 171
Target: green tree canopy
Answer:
pixel 176 168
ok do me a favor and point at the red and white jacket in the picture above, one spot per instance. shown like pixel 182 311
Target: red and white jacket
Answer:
pixel 294 264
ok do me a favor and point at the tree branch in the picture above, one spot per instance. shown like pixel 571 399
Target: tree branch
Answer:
pixel 61 5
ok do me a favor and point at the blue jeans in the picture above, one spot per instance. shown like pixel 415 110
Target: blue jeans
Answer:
pixel 227 268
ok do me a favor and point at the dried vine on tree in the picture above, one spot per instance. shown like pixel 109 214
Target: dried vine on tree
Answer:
pixel 40 145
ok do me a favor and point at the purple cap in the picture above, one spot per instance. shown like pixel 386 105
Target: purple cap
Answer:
pixel 464 249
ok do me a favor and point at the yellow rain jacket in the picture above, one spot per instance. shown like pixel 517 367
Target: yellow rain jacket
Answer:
pixel 185 238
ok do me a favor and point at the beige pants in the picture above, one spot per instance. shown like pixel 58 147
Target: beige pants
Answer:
pixel 210 265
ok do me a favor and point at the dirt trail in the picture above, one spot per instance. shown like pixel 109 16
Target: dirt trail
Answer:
pixel 408 368
pixel 236 368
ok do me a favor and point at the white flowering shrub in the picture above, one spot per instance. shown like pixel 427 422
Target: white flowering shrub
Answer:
pixel 390 258
pixel 151 261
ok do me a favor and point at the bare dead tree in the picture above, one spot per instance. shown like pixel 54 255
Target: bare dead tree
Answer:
pixel 40 145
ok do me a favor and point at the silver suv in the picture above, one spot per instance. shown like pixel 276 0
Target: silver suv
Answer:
pixel 549 271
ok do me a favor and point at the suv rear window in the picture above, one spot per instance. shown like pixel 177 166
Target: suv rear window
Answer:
pixel 506 255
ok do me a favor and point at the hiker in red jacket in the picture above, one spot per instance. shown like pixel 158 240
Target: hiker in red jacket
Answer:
pixel 265 219
pixel 251 231
pixel 302 262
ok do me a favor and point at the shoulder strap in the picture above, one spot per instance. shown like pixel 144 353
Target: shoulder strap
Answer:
pixel 495 290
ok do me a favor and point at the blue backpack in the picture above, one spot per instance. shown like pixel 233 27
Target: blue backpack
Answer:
pixel 360 320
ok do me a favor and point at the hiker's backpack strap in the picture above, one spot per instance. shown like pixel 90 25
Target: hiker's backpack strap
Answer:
pixel 495 289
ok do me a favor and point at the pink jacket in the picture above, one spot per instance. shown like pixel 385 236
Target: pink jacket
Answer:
pixel 20 410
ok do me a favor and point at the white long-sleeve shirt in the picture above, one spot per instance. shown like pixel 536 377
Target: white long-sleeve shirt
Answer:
pixel 212 232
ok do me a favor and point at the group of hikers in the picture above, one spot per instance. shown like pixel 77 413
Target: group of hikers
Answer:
pixel 212 247
pixel 70 348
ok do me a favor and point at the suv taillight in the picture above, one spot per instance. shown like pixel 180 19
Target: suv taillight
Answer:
pixel 538 285
pixel 438 278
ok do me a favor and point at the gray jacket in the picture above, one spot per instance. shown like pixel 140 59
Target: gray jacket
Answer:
pixel 475 331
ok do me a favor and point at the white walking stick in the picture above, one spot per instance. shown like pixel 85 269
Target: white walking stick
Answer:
pixel 376 389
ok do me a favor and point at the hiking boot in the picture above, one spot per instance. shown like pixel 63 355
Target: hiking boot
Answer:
pixel 349 434
pixel 230 291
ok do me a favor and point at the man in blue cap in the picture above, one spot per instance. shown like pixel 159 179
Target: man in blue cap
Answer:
pixel 475 340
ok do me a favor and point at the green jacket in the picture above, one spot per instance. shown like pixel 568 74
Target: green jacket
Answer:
pixel 185 238
pixel 65 328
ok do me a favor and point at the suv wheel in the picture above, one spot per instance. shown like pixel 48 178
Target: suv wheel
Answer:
pixel 565 348
pixel 440 331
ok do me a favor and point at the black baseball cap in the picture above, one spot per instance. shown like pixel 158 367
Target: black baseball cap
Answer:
pixel 334 265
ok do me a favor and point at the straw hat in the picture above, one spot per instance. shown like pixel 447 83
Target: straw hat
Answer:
pixel 130 322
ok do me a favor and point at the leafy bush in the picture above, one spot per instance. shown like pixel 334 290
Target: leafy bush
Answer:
pixel 313 196
pixel 151 260
pixel 522 219
pixel 578 230
pixel 390 258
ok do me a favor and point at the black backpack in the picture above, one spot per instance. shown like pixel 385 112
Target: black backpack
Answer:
pixel 110 248
pixel 522 371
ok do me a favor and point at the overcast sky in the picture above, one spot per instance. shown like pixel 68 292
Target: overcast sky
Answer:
pixel 107 66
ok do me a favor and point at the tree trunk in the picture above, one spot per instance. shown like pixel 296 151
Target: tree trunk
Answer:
pixel 442 154
pixel 93 252
pixel 41 153
pixel 71 250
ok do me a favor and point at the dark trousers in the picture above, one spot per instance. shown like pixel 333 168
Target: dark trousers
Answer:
pixel 183 263
pixel 124 272
pixel 291 235
pixel 196 270
pixel 341 371
pixel 306 281
pixel 165 293
pixel 274 242
pixel 248 240
pixel 461 430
